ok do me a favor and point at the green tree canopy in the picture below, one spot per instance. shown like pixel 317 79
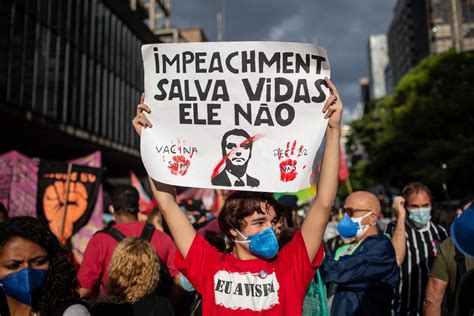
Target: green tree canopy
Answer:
pixel 426 122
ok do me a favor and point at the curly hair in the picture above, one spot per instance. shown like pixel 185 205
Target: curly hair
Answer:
pixel 241 204
pixel 134 271
pixel 60 288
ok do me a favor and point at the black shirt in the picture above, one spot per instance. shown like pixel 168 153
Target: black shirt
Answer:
pixel 150 305
pixel 422 247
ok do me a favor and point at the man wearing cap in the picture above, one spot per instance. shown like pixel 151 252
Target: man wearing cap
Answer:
pixel 455 259
pixel 364 270
pixel 94 267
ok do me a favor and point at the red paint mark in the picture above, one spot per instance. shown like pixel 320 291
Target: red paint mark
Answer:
pixel 180 165
pixel 304 167
pixel 293 147
pixel 288 170
pixel 220 165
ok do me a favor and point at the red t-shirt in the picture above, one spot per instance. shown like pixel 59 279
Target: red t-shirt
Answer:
pixel 101 246
pixel 230 286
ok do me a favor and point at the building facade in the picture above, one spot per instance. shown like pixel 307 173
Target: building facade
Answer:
pixel 71 76
pixel 378 61
pixel 423 27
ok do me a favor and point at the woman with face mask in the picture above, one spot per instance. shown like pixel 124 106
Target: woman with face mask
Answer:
pixel 36 277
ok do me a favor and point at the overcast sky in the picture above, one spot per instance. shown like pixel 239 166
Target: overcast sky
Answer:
pixel 340 26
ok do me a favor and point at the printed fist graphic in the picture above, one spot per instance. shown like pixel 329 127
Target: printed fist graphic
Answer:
pixel 53 205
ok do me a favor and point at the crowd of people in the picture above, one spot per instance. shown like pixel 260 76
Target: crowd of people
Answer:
pixel 254 257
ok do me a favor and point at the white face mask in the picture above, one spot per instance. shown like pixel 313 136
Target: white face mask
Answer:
pixel 362 228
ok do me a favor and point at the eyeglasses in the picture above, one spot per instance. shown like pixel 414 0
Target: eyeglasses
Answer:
pixel 350 211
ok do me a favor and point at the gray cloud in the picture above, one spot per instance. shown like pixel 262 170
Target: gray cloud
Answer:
pixel 341 26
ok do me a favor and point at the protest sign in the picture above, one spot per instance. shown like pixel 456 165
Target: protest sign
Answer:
pixel 242 116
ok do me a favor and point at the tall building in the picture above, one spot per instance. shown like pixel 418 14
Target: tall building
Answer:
pixel 408 40
pixel 378 60
pixel 71 75
pixel 159 22
pixel 364 98
pixel 423 27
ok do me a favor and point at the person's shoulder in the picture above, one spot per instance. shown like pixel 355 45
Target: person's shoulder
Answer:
pixel 163 306
pixel 443 233
pixel 160 236
pixel 109 308
pixel 384 241
pixel 153 305
pixel 252 182
pixel 447 246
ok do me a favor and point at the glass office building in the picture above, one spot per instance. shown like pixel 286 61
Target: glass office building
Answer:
pixel 73 67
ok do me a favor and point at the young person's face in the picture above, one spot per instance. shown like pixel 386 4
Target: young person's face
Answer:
pixel 256 222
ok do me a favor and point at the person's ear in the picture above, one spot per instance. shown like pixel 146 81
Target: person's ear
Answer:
pixel 111 209
pixel 233 233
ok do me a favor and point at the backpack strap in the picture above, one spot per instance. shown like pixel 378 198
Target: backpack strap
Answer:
pixel 147 232
pixel 114 233
pixel 460 263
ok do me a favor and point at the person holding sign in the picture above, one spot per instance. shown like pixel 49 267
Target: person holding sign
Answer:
pixel 257 277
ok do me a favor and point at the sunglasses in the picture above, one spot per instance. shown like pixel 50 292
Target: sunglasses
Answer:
pixel 350 211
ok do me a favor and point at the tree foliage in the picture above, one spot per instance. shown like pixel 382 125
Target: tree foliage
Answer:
pixel 426 122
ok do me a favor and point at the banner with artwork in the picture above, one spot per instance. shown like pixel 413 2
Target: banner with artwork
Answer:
pixel 80 239
pixel 18 182
pixel 66 196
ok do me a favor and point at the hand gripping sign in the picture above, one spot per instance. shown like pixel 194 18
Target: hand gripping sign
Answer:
pixel 243 115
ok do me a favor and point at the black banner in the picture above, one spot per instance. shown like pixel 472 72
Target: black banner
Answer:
pixel 84 184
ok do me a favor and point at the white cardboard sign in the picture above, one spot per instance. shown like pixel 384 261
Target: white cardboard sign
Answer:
pixel 234 115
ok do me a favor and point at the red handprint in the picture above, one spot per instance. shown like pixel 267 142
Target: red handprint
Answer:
pixel 179 165
pixel 288 166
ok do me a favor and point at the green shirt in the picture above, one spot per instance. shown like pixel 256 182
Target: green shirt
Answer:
pixel 445 268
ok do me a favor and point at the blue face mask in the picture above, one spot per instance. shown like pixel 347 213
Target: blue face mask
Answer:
pixel 420 216
pixel 185 284
pixel 350 227
pixel 347 228
pixel 263 244
pixel 23 284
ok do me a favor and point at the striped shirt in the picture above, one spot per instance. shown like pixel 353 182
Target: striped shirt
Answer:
pixel 422 246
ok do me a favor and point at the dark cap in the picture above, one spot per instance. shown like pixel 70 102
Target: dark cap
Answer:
pixel 462 231
pixel 290 201
pixel 125 198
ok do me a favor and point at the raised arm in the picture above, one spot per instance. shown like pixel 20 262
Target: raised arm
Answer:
pixel 317 218
pixel 399 238
pixel 179 225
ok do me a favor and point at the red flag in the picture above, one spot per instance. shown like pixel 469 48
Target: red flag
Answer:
pixel 343 170
pixel 145 202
